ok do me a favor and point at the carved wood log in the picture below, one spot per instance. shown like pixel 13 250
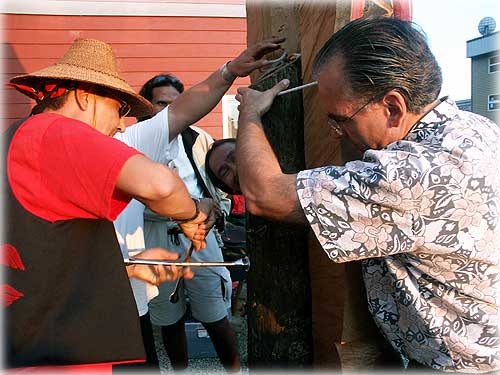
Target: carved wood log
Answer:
pixel 279 296
pixel 343 332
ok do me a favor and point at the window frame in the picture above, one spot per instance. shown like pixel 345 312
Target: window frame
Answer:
pixel 496 101
pixel 229 109
pixel 496 64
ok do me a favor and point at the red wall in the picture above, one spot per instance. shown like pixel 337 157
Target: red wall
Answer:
pixel 187 47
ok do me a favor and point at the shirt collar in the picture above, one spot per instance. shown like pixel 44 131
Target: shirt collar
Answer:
pixel 444 111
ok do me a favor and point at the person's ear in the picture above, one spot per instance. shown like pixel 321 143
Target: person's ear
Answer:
pixel 82 98
pixel 396 108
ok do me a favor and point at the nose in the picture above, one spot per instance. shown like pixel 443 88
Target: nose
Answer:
pixel 232 168
pixel 121 126
pixel 233 175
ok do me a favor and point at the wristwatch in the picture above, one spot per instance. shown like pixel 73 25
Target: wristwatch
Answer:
pixel 226 74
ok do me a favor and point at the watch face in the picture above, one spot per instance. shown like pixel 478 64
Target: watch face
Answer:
pixel 226 74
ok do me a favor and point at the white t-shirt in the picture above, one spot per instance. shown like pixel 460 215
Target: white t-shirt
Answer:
pixel 151 137
pixel 184 168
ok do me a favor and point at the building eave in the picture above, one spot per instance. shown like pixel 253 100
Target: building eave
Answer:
pixel 122 8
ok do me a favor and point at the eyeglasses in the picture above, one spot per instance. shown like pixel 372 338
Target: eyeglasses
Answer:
pixel 124 109
pixel 336 124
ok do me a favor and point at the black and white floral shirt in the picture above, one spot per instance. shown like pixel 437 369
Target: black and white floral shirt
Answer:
pixel 423 214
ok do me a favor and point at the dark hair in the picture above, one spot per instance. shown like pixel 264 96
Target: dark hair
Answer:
pixel 159 81
pixel 210 173
pixel 51 103
pixel 57 102
pixel 381 54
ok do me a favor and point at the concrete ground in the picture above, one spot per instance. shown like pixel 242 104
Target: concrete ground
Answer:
pixel 211 365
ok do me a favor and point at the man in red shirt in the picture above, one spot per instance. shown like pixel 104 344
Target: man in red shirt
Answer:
pixel 66 179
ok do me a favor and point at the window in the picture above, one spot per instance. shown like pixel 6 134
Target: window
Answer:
pixel 229 116
pixel 494 64
pixel 494 102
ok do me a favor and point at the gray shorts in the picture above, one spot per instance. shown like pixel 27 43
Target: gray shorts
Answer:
pixel 209 291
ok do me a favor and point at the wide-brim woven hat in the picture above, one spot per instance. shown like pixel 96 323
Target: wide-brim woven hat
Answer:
pixel 90 61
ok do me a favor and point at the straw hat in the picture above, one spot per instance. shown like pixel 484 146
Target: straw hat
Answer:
pixel 91 61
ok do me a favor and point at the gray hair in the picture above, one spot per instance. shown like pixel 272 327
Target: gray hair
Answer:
pixel 381 54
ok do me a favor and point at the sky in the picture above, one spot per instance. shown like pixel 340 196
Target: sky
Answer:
pixel 448 25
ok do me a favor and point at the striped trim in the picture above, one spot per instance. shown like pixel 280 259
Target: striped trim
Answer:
pixel 122 8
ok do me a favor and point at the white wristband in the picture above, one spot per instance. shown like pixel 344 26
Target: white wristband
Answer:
pixel 226 74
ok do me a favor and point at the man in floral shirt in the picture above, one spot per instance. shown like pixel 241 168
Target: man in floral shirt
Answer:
pixel 421 208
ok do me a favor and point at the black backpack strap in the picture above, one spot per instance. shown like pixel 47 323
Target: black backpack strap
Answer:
pixel 188 138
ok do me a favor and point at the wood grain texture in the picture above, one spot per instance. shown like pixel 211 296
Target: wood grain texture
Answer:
pixel 273 19
pixel 278 307
pixel 343 331
pixel 318 21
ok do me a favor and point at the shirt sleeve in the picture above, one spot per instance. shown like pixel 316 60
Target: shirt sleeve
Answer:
pixel 68 171
pixel 151 137
pixel 364 209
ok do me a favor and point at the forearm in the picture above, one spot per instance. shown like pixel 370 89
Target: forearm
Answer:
pixel 153 216
pixel 196 102
pixel 156 186
pixel 268 192
pixel 173 203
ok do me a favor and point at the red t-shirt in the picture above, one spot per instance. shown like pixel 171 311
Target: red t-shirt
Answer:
pixel 238 204
pixel 60 168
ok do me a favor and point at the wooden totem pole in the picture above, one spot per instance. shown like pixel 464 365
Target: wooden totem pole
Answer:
pixel 305 311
